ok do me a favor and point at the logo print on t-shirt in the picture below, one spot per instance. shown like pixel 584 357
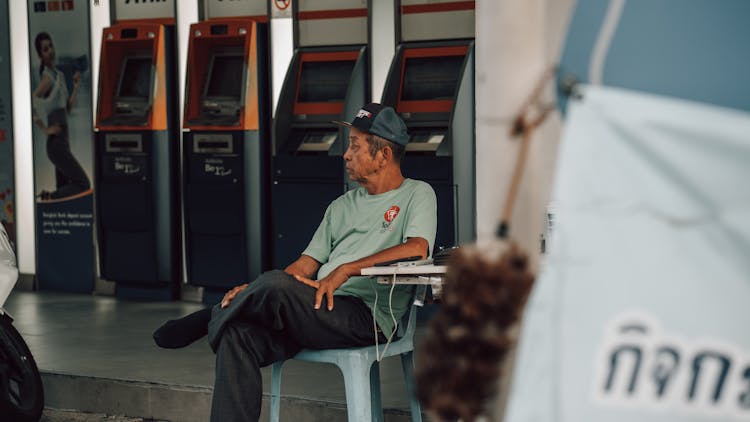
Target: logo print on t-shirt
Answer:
pixel 391 213
pixel 389 216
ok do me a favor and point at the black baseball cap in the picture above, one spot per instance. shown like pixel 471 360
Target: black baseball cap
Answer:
pixel 379 120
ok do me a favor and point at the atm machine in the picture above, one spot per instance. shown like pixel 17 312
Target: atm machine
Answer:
pixel 431 85
pixel 136 161
pixel 327 80
pixel 226 147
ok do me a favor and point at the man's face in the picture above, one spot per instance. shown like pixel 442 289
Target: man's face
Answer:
pixel 360 165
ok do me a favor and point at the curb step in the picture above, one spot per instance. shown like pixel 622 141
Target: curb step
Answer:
pixel 95 398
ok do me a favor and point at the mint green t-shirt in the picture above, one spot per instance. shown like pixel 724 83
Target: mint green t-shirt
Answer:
pixel 358 224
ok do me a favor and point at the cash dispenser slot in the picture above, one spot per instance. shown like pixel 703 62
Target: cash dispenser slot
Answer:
pixel 213 147
pixel 123 143
pixel 213 144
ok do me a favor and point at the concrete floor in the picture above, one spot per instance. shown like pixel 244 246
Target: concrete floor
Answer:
pixel 96 355
pixel 53 415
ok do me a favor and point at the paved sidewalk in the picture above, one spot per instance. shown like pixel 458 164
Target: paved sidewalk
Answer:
pixel 98 359
pixel 53 415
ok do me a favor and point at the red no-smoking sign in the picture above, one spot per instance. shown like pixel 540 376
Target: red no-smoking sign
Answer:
pixel 282 4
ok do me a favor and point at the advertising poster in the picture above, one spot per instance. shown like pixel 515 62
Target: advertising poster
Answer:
pixel 7 188
pixel 62 143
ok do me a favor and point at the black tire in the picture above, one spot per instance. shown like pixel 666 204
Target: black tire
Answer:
pixel 21 391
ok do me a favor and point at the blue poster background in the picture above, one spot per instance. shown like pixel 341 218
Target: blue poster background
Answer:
pixel 63 162
pixel 7 186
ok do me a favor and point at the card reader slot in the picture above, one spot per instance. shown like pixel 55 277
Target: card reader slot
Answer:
pixel 205 145
pixel 124 144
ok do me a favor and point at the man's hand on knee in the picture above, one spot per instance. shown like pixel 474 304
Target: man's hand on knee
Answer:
pixel 232 294
pixel 326 285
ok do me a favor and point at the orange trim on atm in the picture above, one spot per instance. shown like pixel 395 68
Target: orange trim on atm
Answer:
pixel 321 108
pixel 251 116
pixel 332 14
pixel 241 34
pixel 147 36
pixel 452 6
pixel 427 106
pixel 159 107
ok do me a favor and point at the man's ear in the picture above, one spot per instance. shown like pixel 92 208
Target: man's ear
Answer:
pixel 387 153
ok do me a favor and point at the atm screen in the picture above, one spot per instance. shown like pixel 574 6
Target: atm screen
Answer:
pixel 135 78
pixel 431 78
pixel 324 81
pixel 225 77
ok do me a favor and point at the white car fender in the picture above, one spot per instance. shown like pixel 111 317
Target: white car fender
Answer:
pixel 8 269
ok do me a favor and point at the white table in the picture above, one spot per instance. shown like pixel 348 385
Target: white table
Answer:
pixel 429 275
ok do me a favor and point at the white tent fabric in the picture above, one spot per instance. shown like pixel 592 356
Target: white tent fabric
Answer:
pixel 642 307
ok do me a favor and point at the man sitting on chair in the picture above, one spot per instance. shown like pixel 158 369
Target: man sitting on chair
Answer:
pixel 271 319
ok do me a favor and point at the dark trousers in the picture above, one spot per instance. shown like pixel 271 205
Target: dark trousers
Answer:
pixel 70 178
pixel 275 321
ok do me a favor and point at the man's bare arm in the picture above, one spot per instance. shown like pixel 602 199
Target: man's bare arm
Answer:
pixel 414 246
pixel 305 266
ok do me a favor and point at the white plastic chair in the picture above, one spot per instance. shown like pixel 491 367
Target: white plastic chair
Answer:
pixel 361 372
